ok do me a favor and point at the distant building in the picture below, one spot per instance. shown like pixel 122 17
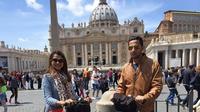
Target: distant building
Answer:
pixel 179 22
pixel 22 60
pixel 178 41
pixel 103 42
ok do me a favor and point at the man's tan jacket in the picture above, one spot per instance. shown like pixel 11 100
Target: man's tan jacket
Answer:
pixel 146 80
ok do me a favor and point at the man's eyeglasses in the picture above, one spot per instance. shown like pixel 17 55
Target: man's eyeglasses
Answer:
pixel 130 48
pixel 58 60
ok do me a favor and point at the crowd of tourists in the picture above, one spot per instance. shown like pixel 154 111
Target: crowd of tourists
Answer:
pixel 188 76
pixel 14 81
pixel 100 81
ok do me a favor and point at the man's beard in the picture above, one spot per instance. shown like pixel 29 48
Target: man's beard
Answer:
pixel 135 57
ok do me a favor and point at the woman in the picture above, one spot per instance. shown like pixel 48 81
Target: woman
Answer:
pixel 14 87
pixel 57 86
pixel 75 81
pixel 95 82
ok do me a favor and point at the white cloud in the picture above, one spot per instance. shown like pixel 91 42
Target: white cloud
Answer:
pixel 61 6
pixel 34 4
pixel 91 7
pixel 78 8
pixel 74 6
pixel 22 39
pixel 117 4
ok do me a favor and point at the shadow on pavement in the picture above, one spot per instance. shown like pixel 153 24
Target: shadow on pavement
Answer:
pixel 20 104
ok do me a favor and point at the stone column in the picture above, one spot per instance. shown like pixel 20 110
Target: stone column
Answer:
pixel 119 46
pixel 74 55
pixel 20 64
pixel 190 57
pixel 198 56
pixel 110 53
pixel 176 53
pixel 10 64
pixel 166 59
pixel 183 58
pixel 83 54
pixel 100 53
pixel 86 55
pixel 107 53
pixel 92 54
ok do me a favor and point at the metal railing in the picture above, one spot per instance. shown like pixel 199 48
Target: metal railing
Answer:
pixel 190 103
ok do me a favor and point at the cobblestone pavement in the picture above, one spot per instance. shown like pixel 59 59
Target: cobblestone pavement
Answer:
pixel 32 101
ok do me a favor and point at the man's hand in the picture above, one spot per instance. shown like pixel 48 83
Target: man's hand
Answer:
pixel 139 99
pixel 69 102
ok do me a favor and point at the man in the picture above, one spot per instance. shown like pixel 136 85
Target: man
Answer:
pixel 186 77
pixel 141 77
pixel 171 83
pixel 195 83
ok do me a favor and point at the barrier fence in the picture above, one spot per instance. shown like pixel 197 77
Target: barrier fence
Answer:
pixel 179 106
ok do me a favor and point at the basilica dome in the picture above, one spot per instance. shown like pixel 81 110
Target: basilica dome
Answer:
pixel 103 15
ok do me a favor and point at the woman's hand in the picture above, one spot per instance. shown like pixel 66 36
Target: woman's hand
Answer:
pixel 60 102
pixel 88 99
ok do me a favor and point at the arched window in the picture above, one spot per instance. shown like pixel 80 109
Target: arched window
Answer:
pixel 135 30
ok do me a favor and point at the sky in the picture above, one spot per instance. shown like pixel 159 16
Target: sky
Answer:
pixel 25 23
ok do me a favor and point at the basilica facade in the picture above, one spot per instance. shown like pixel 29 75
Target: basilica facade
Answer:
pixel 178 41
pixel 102 42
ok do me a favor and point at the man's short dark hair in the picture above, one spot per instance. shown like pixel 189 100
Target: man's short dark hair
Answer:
pixel 1 68
pixel 136 38
pixel 191 66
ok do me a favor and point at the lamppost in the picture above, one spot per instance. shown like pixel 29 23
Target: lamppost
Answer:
pixel 91 62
